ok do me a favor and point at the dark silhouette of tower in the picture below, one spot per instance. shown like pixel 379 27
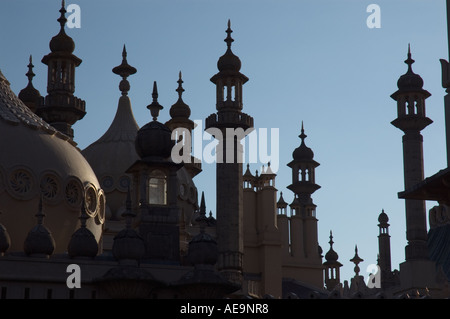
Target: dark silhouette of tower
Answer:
pixel 61 108
pixel 229 193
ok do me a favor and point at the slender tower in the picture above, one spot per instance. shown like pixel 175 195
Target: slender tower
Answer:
pixel 61 108
pixel 230 125
pixel 384 251
pixel 446 85
pixel 411 119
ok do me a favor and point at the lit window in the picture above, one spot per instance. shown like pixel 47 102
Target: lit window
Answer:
pixel 157 188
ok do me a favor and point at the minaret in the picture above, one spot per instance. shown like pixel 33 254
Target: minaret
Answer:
pixel 229 175
pixel 411 119
pixel 61 108
pixel 332 267
pixel 446 85
pixel 304 185
pixel 180 121
pixel 30 96
pixel 384 251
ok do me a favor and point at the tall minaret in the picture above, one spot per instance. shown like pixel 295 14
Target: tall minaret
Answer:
pixel 229 176
pixel 384 250
pixel 446 85
pixel 61 108
pixel 411 119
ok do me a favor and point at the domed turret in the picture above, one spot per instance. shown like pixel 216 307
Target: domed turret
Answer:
pixel 303 152
pixel 62 42
pixel 83 243
pixel 154 138
pixel 229 61
pixel 410 81
pixel 29 95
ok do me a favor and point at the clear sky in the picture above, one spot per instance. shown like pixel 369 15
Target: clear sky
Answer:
pixel 314 61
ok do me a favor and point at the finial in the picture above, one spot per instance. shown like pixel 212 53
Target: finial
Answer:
pixel 180 89
pixel 155 107
pixel 229 39
pixel 30 73
pixel 62 19
pixel 303 135
pixel 331 242
pixel 128 214
pixel 409 61
pixel 40 215
pixel 124 70
pixel 356 260
pixel 83 216
pixel 202 220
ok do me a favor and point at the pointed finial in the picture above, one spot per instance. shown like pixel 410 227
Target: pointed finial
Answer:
pixel 83 216
pixel 128 214
pixel 30 73
pixel 124 70
pixel 155 107
pixel 40 215
pixel 303 135
pixel 202 220
pixel 62 19
pixel 409 61
pixel 356 260
pixel 180 89
pixel 331 242
pixel 229 39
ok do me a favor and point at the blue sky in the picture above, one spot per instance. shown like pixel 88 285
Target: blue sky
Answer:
pixel 314 61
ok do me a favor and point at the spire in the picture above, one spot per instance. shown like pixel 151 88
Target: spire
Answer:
pixel 303 135
pixel 229 40
pixel 124 70
pixel 180 110
pixel 202 219
pixel 155 107
pixel 356 260
pixel 62 19
pixel 409 61
pixel 180 89
pixel 29 95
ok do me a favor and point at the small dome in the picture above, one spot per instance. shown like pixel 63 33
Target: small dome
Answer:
pixel 39 241
pixel 229 62
pixel 62 43
pixel 203 250
pixel 410 81
pixel 331 255
pixel 302 152
pixel 154 139
pixel 180 109
pixel 83 243
pixel 383 218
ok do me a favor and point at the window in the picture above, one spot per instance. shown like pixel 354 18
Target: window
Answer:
pixel 157 188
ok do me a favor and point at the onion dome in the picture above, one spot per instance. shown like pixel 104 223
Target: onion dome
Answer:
pixel 83 243
pixel 5 240
pixel 62 42
pixel 303 152
pixel 117 145
pixel 39 242
pixel 154 138
pixel 128 246
pixel 383 218
pixel 410 81
pixel 229 61
pixel 29 95
pixel 180 109
pixel 331 256
pixel 42 162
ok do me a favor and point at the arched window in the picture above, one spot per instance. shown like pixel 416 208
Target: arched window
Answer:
pixel 157 188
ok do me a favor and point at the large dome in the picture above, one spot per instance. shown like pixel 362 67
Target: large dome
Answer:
pixel 38 161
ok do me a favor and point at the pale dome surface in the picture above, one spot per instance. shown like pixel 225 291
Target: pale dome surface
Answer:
pixel 36 160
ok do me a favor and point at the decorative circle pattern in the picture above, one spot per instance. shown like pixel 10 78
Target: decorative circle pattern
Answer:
pixel 21 183
pixel 73 192
pixel 50 186
pixel 90 200
pixel 124 183
pixel 107 182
